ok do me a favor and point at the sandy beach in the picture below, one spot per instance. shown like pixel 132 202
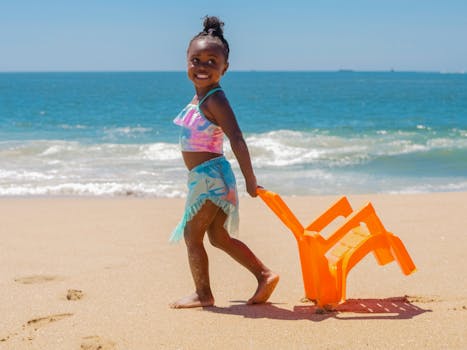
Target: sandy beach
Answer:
pixel 94 273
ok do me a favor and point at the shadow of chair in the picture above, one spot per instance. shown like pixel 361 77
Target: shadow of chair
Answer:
pixel 326 262
pixel 394 308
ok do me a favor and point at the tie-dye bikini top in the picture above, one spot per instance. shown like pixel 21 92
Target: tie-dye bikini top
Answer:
pixel 198 134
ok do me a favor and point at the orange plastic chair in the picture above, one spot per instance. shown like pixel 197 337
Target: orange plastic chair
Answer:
pixel 326 262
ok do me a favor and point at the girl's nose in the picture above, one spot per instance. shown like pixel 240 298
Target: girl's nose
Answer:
pixel 203 64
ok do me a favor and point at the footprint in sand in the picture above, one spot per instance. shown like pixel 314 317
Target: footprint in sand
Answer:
pixel 74 294
pixel 95 342
pixel 422 299
pixel 459 308
pixel 35 279
pixel 29 328
pixel 426 299
pixel 37 323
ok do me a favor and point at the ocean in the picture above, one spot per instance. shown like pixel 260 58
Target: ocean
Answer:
pixel 111 134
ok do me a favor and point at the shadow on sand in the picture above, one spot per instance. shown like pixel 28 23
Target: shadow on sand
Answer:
pixel 397 308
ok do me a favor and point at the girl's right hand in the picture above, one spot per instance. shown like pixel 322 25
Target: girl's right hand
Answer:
pixel 251 187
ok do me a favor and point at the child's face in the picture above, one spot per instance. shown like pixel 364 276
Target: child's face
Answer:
pixel 206 62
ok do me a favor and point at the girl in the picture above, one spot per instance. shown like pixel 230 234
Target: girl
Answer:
pixel 212 202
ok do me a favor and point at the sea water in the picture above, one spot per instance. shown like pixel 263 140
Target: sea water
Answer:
pixel 111 134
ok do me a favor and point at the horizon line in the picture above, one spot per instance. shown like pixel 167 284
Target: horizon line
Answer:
pixel 241 71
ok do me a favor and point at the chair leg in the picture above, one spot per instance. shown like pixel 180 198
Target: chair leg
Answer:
pixel 402 256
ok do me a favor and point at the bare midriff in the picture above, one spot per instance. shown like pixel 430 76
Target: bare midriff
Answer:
pixel 193 159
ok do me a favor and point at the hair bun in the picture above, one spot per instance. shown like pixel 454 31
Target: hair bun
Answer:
pixel 213 25
pixel 213 29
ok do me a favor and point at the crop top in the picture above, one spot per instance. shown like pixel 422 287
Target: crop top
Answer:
pixel 198 134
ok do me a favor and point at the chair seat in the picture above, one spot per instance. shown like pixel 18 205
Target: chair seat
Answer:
pixel 349 242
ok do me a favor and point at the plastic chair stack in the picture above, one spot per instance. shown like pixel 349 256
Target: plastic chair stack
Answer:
pixel 326 262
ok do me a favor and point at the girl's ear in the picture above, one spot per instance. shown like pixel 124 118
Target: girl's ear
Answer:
pixel 225 68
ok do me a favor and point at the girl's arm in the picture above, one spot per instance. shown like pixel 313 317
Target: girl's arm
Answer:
pixel 217 108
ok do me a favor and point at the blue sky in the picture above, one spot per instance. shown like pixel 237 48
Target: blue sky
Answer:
pixel 104 35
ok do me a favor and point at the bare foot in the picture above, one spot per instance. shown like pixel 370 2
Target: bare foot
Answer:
pixel 192 301
pixel 265 288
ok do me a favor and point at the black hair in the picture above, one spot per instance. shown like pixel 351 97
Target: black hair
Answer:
pixel 213 28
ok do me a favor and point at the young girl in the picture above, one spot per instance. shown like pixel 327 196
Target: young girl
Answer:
pixel 212 202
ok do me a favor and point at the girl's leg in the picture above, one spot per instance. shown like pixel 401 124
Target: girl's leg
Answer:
pixel 221 239
pixel 198 259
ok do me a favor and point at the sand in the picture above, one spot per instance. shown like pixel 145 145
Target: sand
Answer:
pixel 93 273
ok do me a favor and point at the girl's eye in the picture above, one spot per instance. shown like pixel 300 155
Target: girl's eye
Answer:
pixel 211 62
pixel 195 61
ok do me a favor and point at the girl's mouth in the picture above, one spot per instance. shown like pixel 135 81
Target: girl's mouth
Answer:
pixel 202 76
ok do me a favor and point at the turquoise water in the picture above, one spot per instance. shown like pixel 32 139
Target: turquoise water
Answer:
pixel 308 132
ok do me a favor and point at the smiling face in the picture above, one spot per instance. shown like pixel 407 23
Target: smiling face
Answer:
pixel 206 63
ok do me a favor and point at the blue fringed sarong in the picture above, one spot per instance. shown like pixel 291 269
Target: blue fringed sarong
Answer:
pixel 213 180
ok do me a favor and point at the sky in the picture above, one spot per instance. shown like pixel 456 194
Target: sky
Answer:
pixel 315 35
